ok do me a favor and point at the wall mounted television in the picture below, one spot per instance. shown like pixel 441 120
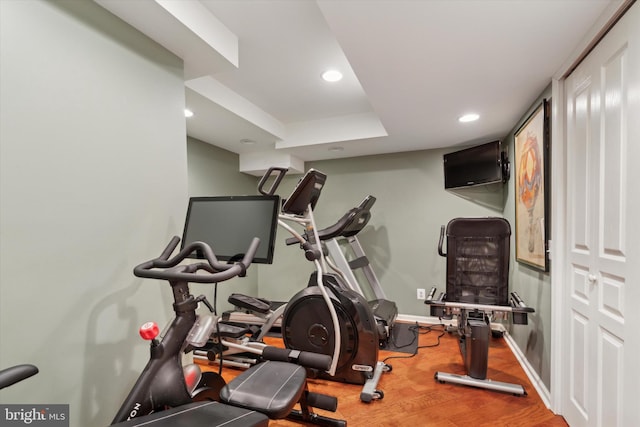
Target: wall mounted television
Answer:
pixel 478 165
pixel 229 223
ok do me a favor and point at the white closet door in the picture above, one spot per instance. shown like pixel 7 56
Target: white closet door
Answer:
pixel 601 97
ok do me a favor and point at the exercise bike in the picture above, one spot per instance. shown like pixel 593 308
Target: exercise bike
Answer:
pixel 168 394
pixel 477 291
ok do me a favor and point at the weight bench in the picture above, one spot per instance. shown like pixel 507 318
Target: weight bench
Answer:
pixel 210 414
pixel 477 290
pixel 268 390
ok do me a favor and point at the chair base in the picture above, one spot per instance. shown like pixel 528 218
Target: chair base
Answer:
pixel 514 389
pixel 369 390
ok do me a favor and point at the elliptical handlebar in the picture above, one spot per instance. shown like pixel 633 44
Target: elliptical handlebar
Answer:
pixel 276 183
pixel 350 224
pixel 166 268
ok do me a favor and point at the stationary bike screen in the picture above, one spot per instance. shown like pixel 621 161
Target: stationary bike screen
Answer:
pixel 229 223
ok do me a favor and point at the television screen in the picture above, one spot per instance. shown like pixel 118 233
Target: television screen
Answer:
pixel 229 223
pixel 477 165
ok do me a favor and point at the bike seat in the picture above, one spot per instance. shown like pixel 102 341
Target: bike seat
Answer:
pixel 261 388
pixel 201 414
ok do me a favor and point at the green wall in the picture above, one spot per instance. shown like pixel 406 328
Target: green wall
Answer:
pixel 93 180
pixel 532 285
pixel 215 172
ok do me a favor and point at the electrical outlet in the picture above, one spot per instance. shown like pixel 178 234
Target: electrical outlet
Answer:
pixel 421 294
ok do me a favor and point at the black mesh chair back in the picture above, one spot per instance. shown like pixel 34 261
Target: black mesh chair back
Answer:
pixel 478 260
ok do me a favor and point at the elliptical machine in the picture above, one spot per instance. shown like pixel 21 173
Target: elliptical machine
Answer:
pixel 327 317
pixel 338 235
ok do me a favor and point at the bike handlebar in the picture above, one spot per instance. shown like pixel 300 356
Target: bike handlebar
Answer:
pixel 14 374
pixel 170 270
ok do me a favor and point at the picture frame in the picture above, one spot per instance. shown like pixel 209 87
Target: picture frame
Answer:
pixel 531 156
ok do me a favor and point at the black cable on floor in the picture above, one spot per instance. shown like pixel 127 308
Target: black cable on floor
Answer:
pixel 417 331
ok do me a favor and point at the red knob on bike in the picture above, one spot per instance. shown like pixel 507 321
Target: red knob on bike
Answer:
pixel 149 330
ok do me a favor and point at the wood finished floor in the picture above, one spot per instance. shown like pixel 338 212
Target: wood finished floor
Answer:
pixel 412 397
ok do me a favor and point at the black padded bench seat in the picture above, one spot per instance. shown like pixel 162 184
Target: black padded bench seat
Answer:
pixel 271 387
pixel 201 414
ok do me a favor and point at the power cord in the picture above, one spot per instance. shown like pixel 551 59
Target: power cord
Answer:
pixel 418 330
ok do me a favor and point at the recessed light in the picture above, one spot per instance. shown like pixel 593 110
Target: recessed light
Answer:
pixel 188 113
pixel 332 75
pixel 471 117
pixel 336 148
pixel 247 141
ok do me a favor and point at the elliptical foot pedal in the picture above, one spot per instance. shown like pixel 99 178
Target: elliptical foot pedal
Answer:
pixel 232 330
pixel 250 303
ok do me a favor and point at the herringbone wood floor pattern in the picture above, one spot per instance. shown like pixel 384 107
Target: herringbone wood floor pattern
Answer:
pixel 412 397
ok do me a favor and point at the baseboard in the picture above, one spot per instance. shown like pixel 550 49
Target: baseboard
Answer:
pixel 533 376
pixel 535 379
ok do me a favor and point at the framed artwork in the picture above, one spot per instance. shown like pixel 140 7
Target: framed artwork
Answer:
pixel 531 189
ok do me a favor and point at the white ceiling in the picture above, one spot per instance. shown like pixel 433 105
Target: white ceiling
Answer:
pixel 411 68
